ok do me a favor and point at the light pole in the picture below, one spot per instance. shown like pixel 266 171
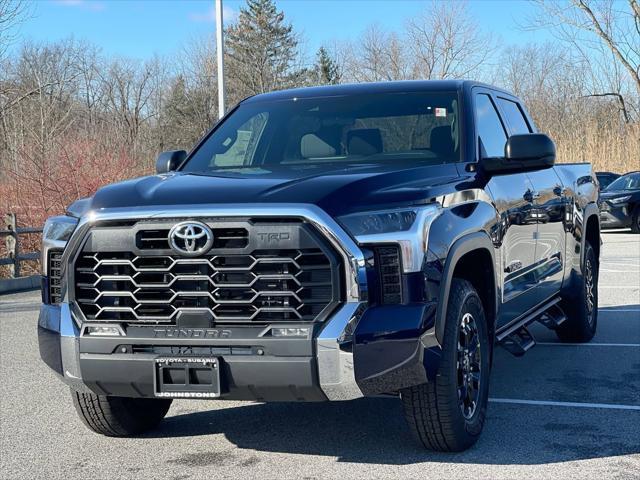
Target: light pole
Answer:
pixel 220 56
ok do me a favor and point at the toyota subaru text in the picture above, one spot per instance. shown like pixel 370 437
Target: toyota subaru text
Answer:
pixel 323 244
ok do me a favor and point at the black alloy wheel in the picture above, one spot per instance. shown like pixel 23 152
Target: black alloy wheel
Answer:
pixel 469 366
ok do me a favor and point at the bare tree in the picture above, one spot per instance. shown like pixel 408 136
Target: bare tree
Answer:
pixel 377 55
pixel 128 90
pixel 91 91
pixel 605 33
pixel 447 42
pixel 40 103
pixel 12 13
pixel 190 103
pixel 555 84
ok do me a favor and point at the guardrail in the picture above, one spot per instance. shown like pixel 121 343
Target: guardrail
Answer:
pixel 12 234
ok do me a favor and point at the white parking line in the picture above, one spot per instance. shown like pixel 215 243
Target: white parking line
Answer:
pixel 548 403
pixel 618 286
pixel 608 270
pixel 555 344
pixel 633 266
pixel 612 309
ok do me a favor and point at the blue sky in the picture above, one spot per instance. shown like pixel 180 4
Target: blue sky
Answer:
pixel 139 29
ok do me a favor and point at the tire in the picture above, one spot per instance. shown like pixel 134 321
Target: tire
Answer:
pixel 582 309
pixel 635 220
pixel 119 416
pixel 434 411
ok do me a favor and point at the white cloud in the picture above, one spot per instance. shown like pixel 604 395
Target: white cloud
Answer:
pixel 94 6
pixel 209 16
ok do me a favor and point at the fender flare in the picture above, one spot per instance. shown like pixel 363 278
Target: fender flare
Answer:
pixel 462 246
pixel 589 211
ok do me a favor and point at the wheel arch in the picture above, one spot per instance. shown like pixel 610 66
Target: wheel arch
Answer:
pixel 463 259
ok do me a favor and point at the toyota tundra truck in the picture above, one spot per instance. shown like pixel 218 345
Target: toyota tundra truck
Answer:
pixel 325 244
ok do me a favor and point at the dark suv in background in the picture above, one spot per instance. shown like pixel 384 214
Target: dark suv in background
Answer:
pixel 325 244
pixel 605 178
pixel 620 203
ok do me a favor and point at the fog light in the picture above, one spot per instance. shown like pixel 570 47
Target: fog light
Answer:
pixel 103 331
pixel 290 332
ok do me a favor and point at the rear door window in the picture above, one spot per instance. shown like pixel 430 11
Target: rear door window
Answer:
pixel 514 117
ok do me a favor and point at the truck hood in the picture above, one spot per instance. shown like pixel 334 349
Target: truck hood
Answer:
pixel 338 190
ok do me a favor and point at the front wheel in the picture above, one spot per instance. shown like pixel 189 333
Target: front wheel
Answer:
pixel 448 414
pixel 119 416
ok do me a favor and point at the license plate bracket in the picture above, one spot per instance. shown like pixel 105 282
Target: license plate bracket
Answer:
pixel 186 377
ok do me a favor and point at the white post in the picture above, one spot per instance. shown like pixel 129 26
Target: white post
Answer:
pixel 220 56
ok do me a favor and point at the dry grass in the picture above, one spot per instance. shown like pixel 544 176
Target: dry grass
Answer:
pixel 607 149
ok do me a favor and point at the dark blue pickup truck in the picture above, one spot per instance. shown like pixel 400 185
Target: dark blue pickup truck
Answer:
pixel 325 244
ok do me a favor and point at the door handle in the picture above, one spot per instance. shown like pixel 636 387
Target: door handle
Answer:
pixel 531 195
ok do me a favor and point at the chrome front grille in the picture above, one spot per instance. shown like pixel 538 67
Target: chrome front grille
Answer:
pixel 238 281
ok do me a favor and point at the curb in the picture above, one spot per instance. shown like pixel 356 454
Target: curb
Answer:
pixel 14 285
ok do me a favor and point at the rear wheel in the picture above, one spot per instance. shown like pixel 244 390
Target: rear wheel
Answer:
pixel 582 309
pixel 119 416
pixel 448 414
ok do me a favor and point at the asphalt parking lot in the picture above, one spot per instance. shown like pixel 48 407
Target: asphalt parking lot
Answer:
pixel 561 411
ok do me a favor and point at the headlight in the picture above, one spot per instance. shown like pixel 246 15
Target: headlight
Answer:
pixel 373 223
pixel 59 229
pixel 406 227
pixel 620 199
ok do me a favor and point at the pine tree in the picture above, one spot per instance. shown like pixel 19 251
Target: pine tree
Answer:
pixel 262 50
pixel 327 70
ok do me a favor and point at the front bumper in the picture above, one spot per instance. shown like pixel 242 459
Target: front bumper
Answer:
pixel 359 350
pixel 615 216
pixel 384 353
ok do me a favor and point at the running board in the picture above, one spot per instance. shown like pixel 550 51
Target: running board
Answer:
pixel 552 318
pixel 516 338
pixel 518 342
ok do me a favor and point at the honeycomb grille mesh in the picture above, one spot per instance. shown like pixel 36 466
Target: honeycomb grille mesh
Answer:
pixel 55 276
pixel 388 259
pixel 263 286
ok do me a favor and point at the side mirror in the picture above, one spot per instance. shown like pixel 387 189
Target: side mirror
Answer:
pixel 535 149
pixel 169 161
pixel 522 153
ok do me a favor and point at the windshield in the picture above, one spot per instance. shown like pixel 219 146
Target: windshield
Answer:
pixel 312 132
pixel 627 182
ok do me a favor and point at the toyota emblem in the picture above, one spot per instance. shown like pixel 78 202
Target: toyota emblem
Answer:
pixel 191 238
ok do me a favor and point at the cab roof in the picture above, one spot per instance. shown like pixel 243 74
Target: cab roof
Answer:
pixel 371 88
